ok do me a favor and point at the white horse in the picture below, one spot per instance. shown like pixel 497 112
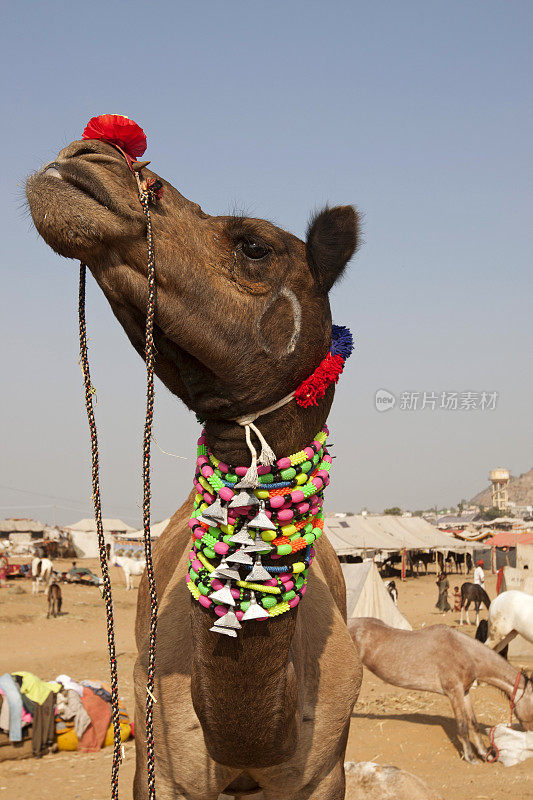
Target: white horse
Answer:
pixel 41 570
pixel 510 614
pixel 129 566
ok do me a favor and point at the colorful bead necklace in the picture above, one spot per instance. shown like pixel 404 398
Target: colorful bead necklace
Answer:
pixel 235 530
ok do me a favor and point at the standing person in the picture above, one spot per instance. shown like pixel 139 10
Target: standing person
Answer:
pixel 443 586
pixel 456 599
pixel 479 575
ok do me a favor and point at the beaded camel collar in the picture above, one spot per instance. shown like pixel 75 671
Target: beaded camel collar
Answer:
pixel 271 510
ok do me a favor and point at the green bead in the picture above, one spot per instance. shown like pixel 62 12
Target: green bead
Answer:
pixel 299 582
pixel 288 474
pixel 227 538
pixel 193 574
pixel 268 478
pixel 308 528
pixel 208 553
pixel 317 532
pixel 316 458
pixel 245 605
pixel 289 595
pixel 231 478
pixel 309 538
pixel 268 602
pixel 306 466
pixel 203 588
pixel 284 549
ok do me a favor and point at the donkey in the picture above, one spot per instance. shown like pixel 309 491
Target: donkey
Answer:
pixel 55 600
pixel 242 319
pixel 472 593
pixel 41 572
pixel 441 660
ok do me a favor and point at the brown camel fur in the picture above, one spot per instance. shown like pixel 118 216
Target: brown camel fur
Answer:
pixel 439 659
pixel 242 318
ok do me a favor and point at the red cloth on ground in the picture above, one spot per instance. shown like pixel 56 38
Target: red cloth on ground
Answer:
pixel 499 580
pixel 100 714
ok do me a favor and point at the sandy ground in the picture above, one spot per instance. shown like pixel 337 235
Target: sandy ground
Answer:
pixel 411 730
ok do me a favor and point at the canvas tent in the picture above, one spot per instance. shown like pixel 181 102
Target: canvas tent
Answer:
pixel 355 534
pixel 155 531
pixel 84 539
pixel 524 556
pixel 367 595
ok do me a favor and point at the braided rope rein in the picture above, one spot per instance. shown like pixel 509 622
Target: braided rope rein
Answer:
pixel 144 199
pixel 96 498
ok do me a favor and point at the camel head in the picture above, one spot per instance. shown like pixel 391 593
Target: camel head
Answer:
pixel 242 305
pixel 524 705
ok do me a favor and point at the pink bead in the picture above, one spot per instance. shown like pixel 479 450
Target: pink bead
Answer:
pixel 196 565
pixel 204 601
pixel 235 594
pixel 202 460
pixel 226 493
pixel 309 452
pixel 216 584
pixel 284 463
pixel 289 585
pixel 223 467
pixel 262 469
pixel 198 533
pixel 318 482
pixel 207 470
pixel 302 508
pixel 241 471
pixel 221 548
pixel 297 496
pixel 322 474
pixel 192 555
pixel 328 458
pixel 303 589
pixel 209 498
pixel 192 523
pixel 294 601
pixel 285 515
pixel 201 440
pixel 220 611
pixel 285 577
pixel 316 444
pixel 232 516
pixel 239 615
pixel 312 552
pixel 271 582
pixel 277 501
pixel 275 556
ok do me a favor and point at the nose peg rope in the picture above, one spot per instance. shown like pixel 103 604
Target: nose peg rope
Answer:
pixel 144 199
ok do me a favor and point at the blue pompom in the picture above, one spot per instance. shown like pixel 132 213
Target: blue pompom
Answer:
pixel 341 341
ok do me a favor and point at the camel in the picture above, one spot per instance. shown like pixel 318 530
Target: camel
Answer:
pixel 441 660
pixel 242 318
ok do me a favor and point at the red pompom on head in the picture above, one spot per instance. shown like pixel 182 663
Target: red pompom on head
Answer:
pixel 117 130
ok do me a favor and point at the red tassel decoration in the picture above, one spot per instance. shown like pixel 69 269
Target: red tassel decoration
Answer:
pixel 118 130
pixel 314 387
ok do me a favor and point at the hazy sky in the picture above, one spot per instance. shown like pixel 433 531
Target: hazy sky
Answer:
pixel 418 113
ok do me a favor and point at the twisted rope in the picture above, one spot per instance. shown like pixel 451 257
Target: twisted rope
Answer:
pixel 108 599
pixel 144 199
pixel 149 358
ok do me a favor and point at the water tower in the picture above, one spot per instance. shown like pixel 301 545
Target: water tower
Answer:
pixel 500 480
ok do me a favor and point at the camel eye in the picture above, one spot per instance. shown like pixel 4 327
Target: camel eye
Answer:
pixel 254 250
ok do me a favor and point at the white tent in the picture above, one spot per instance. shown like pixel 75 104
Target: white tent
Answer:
pixel 354 534
pixel 367 595
pixel 155 531
pixel 84 538
pixel 110 525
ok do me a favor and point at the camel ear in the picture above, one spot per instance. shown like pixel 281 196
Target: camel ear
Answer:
pixel 332 239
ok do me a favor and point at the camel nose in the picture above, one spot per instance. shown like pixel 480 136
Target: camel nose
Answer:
pixel 51 170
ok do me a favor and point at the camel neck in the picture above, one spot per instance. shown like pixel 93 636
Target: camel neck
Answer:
pixel 496 671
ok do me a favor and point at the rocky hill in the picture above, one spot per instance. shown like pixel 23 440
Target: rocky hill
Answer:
pixel 520 491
